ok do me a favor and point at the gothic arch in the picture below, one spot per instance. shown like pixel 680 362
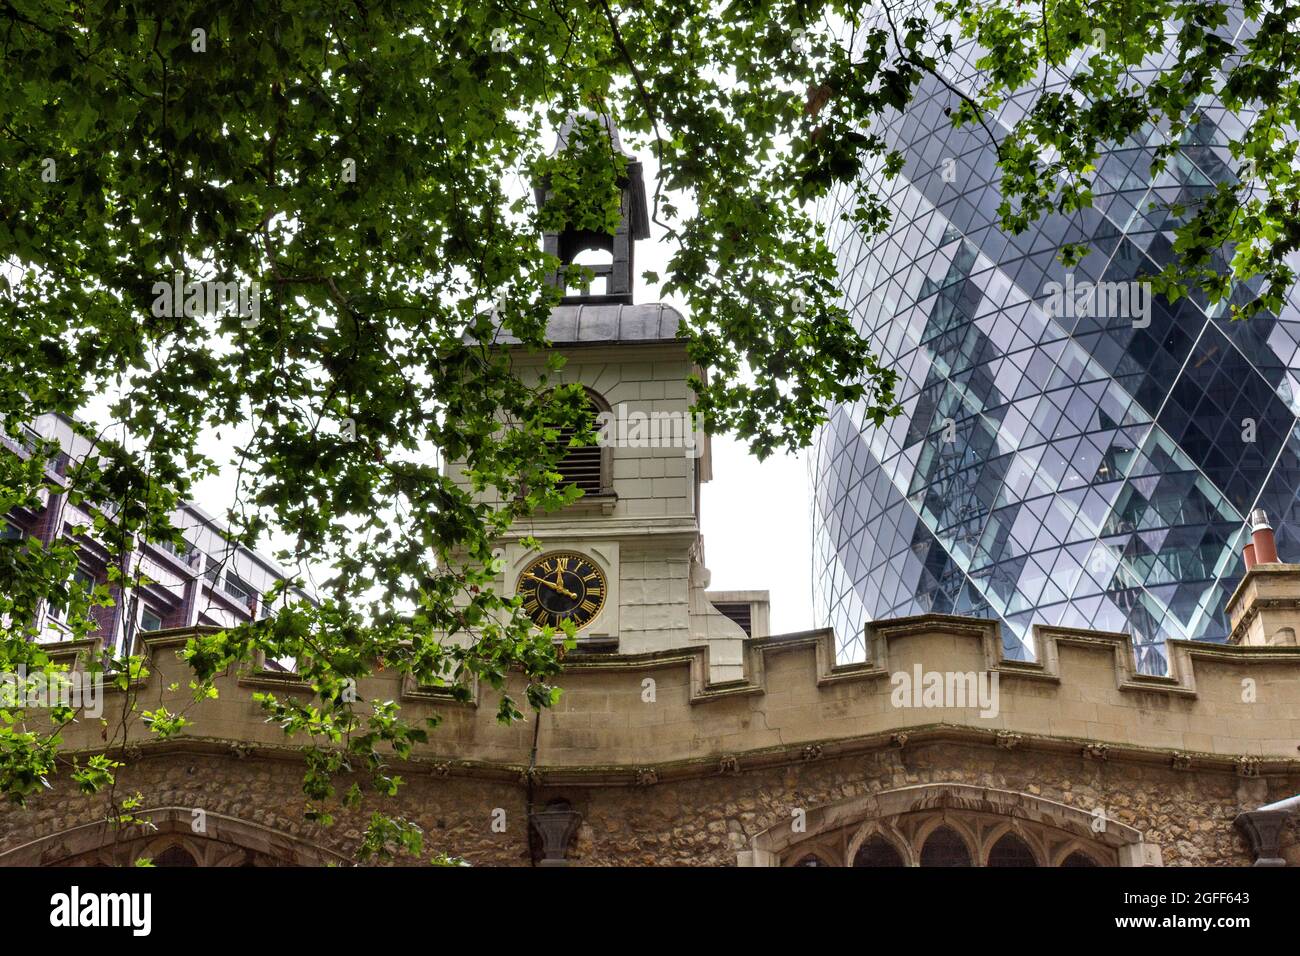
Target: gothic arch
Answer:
pixel 960 828
pixel 886 832
pixel 946 830
pixel 980 816
pixel 221 841
pixel 1074 846
pixel 1014 828
pixel 821 853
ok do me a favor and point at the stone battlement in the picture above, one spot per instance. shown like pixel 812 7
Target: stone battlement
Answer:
pixel 645 761
pixel 1223 707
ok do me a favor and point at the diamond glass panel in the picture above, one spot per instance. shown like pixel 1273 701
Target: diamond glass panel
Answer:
pixel 1072 451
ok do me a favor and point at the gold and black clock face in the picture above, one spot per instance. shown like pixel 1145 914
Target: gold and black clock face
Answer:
pixel 560 586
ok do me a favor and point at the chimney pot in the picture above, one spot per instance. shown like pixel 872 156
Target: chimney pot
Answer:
pixel 1249 553
pixel 1262 540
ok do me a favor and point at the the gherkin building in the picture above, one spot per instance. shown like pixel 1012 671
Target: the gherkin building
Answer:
pixel 1083 467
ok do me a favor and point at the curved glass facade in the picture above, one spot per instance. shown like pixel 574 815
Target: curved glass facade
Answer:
pixel 1087 466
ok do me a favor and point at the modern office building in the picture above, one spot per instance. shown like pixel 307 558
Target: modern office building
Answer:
pixel 1077 460
pixel 210 582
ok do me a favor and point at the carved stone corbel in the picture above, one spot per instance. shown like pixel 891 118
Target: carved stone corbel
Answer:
pixel 646 777
pixel 1263 830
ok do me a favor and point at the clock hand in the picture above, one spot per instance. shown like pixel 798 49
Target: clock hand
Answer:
pixel 552 585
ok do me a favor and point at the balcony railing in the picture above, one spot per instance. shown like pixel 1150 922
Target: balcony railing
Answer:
pixel 186 552
pixel 238 589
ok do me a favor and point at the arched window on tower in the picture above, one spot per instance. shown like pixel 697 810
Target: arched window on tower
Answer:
pixel 590 466
pixel 945 848
pixel 1078 858
pixel 600 262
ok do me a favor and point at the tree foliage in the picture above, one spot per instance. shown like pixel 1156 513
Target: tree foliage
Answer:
pixel 365 165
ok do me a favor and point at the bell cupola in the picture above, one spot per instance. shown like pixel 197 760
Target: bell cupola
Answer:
pixel 613 279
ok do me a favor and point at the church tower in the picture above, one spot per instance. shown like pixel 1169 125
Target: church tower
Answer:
pixel 625 562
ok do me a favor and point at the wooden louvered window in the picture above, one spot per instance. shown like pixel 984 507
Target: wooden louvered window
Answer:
pixel 587 466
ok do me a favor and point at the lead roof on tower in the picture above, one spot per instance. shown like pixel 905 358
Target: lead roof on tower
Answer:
pixel 595 324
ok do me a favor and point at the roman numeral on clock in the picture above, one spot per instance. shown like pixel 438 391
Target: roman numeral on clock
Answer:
pixel 560 587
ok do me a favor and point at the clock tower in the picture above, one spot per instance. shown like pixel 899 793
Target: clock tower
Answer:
pixel 625 562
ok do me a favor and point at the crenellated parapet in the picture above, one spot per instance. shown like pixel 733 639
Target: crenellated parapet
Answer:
pixel 1225 708
pixel 1077 755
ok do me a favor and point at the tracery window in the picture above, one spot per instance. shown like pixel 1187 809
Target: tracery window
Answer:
pixel 945 848
pixel 877 851
pixel 1011 851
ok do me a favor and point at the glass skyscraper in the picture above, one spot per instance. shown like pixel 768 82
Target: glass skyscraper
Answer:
pixel 1050 465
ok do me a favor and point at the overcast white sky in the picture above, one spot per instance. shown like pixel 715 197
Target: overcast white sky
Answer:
pixel 757 533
